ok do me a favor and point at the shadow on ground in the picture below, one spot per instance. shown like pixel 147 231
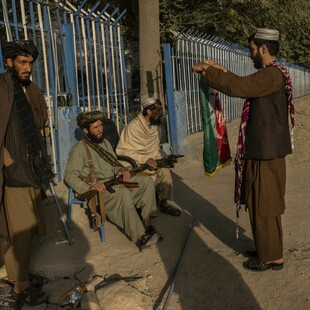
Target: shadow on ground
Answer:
pixel 207 279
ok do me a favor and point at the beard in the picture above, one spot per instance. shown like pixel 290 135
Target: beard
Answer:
pixel 258 61
pixel 23 82
pixel 94 138
pixel 155 122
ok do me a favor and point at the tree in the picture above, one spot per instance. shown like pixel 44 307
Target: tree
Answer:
pixel 235 20
pixel 232 20
pixel 149 50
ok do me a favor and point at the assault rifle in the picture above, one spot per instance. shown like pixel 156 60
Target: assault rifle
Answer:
pixel 169 161
pixel 108 185
pixel 119 180
pixel 166 162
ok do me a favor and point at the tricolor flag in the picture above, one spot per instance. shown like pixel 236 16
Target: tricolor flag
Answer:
pixel 216 151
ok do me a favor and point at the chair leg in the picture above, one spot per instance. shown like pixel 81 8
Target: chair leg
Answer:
pixel 70 195
pixel 68 221
pixel 102 233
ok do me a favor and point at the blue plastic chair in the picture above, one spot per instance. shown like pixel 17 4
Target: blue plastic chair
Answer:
pixel 73 200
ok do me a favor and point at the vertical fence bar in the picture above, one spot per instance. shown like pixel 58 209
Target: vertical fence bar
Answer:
pixel 24 23
pixel 14 11
pixel 48 94
pixel 99 70
pixel 9 36
pixel 170 96
pixel 124 81
pixel 33 28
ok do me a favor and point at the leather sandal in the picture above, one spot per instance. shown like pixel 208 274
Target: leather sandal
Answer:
pixel 151 231
pixel 147 240
pixel 32 296
pixel 257 266
pixel 37 280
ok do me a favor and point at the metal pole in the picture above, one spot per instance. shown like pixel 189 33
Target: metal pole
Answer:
pixel 170 98
pixel 60 213
pixel 179 265
pixel 6 21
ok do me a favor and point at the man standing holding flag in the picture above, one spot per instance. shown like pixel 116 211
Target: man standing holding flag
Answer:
pixel 263 142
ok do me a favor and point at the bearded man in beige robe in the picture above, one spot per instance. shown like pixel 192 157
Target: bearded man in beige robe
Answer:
pixel 140 141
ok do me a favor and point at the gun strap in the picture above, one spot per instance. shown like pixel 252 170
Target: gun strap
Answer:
pixel 97 199
pixel 92 203
pixel 90 162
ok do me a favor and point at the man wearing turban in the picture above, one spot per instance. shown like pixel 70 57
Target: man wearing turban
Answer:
pixel 92 162
pixel 140 141
pixel 23 113
pixel 263 143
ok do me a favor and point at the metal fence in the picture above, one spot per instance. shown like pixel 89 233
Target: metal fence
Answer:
pixel 81 62
pixel 190 47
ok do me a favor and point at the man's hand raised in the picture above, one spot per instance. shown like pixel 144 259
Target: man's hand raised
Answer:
pixel 201 67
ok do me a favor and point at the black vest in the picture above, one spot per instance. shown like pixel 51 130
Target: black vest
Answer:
pixel 267 132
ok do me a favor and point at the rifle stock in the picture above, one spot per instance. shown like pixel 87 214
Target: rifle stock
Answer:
pixel 108 185
pixel 119 180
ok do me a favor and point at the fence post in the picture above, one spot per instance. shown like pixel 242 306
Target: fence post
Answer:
pixel 170 98
pixel 69 63
pixel 176 106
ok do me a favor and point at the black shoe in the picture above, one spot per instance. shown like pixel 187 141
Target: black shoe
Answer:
pixel 256 265
pixel 150 230
pixel 147 240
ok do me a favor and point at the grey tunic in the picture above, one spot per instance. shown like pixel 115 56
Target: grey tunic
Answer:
pixel 120 206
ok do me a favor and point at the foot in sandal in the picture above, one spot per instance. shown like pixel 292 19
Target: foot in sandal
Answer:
pixel 31 295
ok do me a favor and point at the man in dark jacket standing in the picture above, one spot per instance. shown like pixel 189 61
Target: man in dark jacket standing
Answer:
pixel 263 142
pixel 23 114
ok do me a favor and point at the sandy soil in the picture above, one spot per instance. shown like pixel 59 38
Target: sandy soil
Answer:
pixel 211 275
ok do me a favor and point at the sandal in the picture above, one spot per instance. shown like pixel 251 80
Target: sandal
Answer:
pixel 37 280
pixel 32 296
pixel 256 265
pixel 147 240
pixel 151 231
pixel 168 209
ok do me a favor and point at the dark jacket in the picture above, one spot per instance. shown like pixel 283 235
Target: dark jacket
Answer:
pixel 39 110
pixel 267 132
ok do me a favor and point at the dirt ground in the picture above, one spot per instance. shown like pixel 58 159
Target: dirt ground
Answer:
pixel 211 276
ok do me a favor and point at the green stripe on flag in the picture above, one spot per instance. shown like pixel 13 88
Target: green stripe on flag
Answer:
pixel 211 160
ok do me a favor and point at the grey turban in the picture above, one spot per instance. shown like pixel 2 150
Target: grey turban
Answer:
pixel 84 120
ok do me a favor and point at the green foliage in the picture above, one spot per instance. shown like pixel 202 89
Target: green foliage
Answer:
pixel 235 20
pixel 232 20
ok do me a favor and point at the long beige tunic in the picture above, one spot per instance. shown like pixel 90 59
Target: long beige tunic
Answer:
pixel 140 141
pixel 121 206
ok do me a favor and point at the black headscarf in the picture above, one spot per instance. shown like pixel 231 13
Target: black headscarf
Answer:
pixel 16 48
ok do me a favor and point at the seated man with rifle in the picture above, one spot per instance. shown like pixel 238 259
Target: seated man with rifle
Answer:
pixel 140 141
pixel 95 174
